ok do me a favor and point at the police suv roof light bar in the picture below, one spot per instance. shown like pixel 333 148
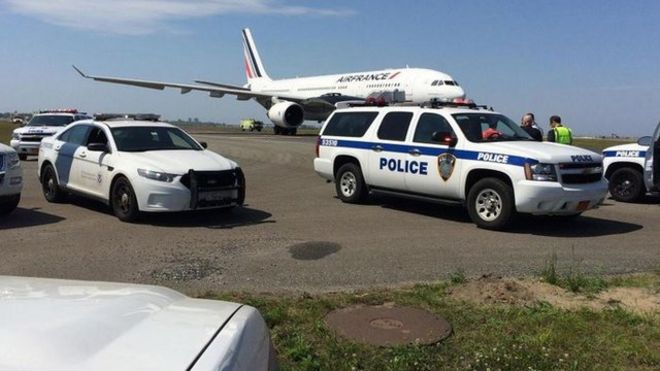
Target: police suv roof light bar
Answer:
pixel 127 116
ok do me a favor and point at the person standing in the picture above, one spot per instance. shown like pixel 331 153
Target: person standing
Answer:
pixel 527 125
pixel 558 132
pixel 530 116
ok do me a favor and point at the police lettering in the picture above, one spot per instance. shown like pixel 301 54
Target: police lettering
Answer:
pixel 627 153
pixel 581 158
pixel 493 157
pixel 412 167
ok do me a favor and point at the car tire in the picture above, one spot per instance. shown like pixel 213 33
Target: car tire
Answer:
pixel 10 205
pixel 22 156
pixel 50 186
pixel 123 201
pixel 349 184
pixel 490 204
pixel 627 185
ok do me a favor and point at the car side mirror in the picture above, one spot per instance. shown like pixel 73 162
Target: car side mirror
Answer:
pixel 645 141
pixel 204 145
pixel 444 137
pixel 97 147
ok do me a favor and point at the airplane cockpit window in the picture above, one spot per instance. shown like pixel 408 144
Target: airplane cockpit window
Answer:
pixel 434 83
pixel 449 82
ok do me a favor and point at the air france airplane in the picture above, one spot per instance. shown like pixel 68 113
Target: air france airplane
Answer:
pixel 291 101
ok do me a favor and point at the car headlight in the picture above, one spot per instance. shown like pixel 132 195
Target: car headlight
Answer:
pixel 15 136
pixel 541 172
pixel 157 175
pixel 13 162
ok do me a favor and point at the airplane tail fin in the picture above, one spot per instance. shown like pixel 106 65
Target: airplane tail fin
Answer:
pixel 254 69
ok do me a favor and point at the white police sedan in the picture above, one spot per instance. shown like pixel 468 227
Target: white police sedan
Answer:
pixel 135 164
pixel 50 324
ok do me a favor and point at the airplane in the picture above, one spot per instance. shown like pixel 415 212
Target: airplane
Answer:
pixel 289 102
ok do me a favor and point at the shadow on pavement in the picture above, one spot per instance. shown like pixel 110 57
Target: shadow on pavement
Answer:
pixel 23 218
pixel 550 226
pixel 582 226
pixel 213 219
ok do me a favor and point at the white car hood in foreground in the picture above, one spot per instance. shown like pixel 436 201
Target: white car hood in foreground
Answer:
pixel 48 324
pixel 5 148
pixel 626 147
pixel 180 161
pixel 542 151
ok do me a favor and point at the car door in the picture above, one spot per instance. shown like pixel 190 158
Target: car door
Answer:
pixel 652 162
pixel 439 168
pixel 387 158
pixel 68 146
pixel 93 165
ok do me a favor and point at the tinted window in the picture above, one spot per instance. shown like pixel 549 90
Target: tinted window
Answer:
pixel 97 136
pixel 349 124
pixel 145 138
pixel 395 126
pixel 477 126
pixel 75 135
pixel 50 120
pixel 428 124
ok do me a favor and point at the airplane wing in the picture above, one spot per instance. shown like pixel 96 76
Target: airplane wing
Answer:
pixel 215 90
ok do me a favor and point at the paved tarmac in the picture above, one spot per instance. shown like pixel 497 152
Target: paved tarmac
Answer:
pixel 295 235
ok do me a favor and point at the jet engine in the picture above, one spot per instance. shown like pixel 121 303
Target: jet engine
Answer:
pixel 286 114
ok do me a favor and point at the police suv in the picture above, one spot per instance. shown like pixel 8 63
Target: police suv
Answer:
pixel 633 169
pixel 135 163
pixel 26 140
pixel 456 154
pixel 11 179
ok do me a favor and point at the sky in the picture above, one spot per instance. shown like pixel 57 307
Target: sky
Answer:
pixel 595 63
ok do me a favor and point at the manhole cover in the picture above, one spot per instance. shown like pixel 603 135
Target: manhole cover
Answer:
pixel 313 250
pixel 382 326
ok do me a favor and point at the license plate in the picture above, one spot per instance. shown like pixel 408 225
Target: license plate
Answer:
pixel 216 196
pixel 582 205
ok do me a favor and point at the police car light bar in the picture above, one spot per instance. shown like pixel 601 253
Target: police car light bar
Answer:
pixel 127 116
pixel 65 110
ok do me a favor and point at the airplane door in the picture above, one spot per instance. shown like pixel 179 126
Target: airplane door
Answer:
pixel 387 158
pixel 68 148
pixel 438 171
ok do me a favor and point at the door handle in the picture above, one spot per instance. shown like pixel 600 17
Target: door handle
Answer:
pixel 377 148
pixel 415 152
pixel 83 154
pixel 57 148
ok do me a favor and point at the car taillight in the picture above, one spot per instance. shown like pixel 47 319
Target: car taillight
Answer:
pixel 318 145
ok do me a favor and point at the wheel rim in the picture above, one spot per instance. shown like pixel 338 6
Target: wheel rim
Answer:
pixel 49 184
pixel 122 198
pixel 348 184
pixel 624 186
pixel 488 204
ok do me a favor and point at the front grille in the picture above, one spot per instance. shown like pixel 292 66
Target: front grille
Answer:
pixel 211 179
pixel 581 173
pixel 31 139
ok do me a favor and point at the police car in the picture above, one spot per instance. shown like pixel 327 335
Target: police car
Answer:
pixel 456 154
pixel 633 169
pixel 52 324
pixel 26 140
pixel 11 179
pixel 135 163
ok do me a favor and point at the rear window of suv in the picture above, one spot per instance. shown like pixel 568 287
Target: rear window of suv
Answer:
pixel 349 124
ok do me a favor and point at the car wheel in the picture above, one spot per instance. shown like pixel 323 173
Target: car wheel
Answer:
pixel 10 205
pixel 627 185
pixel 50 186
pixel 123 201
pixel 490 204
pixel 349 184
pixel 22 156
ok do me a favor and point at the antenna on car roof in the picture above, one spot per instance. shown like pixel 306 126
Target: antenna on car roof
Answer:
pixel 126 116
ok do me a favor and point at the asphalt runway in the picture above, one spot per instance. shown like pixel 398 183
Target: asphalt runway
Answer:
pixel 294 235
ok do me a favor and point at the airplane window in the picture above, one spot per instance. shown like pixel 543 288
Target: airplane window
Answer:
pixel 456 83
pixel 434 83
pixel 440 82
pixel 449 82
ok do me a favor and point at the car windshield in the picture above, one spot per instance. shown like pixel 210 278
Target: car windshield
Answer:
pixel 150 138
pixel 50 120
pixel 487 127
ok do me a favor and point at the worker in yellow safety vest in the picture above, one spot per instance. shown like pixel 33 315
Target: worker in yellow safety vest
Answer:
pixel 558 133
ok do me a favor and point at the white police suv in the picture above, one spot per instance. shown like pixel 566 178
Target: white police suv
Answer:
pixel 633 169
pixel 456 154
pixel 135 163
pixel 25 140
pixel 11 179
